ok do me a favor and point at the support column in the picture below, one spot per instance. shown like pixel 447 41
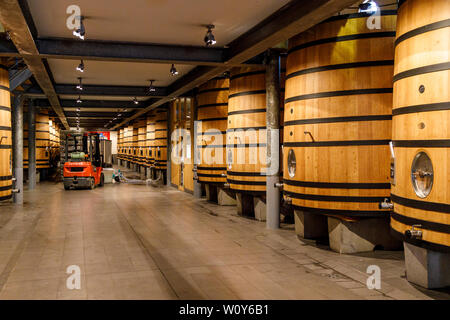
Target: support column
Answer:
pixel 169 148
pixel 31 145
pixel 18 148
pixel 197 185
pixel 273 141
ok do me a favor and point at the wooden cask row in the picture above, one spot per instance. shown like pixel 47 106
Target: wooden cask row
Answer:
pixel 129 143
pixel 246 133
pixel 212 111
pixel 337 117
pixel 421 123
pixel 134 143
pixel 283 61
pixel 5 134
pixel 119 143
pixel 151 126
pixel 160 144
pixel 142 136
pixel 42 140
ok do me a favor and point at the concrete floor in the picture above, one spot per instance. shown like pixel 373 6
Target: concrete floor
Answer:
pixel 142 242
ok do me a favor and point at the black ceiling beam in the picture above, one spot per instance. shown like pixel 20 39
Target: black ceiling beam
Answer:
pixel 125 51
pixel 70 114
pixel 57 48
pixel 101 104
pixel 18 77
pixel 8 49
pixel 103 90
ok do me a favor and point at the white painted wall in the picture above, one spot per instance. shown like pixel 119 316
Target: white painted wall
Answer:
pixel 113 136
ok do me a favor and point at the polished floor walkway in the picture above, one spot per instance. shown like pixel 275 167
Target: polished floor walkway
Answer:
pixel 142 242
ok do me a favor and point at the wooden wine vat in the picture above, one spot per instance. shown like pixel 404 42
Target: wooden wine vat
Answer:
pixel 151 124
pixel 129 143
pixel 246 133
pixel 283 60
pixel 160 144
pixel 134 143
pixel 5 134
pixel 120 144
pixel 338 116
pixel 142 136
pixel 43 143
pixel 421 124
pixel 212 111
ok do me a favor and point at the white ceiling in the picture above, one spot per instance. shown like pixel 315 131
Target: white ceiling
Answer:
pixel 89 97
pixel 115 73
pixel 154 21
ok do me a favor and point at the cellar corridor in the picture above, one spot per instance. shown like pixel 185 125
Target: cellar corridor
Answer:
pixel 143 242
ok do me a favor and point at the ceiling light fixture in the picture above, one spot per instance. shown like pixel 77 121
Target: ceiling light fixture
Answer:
pixel 135 100
pixel 173 70
pixel 151 88
pixel 81 31
pixel 209 39
pixel 79 99
pixel 368 6
pixel 81 66
pixel 80 85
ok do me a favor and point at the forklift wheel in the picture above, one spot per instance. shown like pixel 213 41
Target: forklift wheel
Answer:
pixel 92 185
pixel 66 188
pixel 102 180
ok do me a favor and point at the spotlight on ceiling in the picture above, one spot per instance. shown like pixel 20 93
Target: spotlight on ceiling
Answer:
pixel 173 70
pixel 80 85
pixel 78 109
pixel 81 31
pixel 81 66
pixel 79 99
pixel 152 88
pixel 368 6
pixel 135 100
pixel 209 39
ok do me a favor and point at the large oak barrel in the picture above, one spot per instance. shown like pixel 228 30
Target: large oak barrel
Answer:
pixel 246 133
pixel 119 144
pixel 212 114
pixel 5 134
pixel 142 136
pixel 161 121
pixel 421 123
pixel 43 146
pixel 134 143
pixel 151 123
pixel 128 143
pixel 337 117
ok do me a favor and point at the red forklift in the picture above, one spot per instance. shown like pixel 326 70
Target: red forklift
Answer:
pixel 83 166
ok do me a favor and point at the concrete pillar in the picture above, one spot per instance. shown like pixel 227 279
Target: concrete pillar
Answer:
pixel 18 148
pixel 426 268
pixel 260 208
pixel 273 141
pixel 197 184
pixel 244 205
pixel 197 189
pixel 310 226
pixel 225 198
pixel 211 193
pixel 361 236
pixel 31 145
pixel 169 148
